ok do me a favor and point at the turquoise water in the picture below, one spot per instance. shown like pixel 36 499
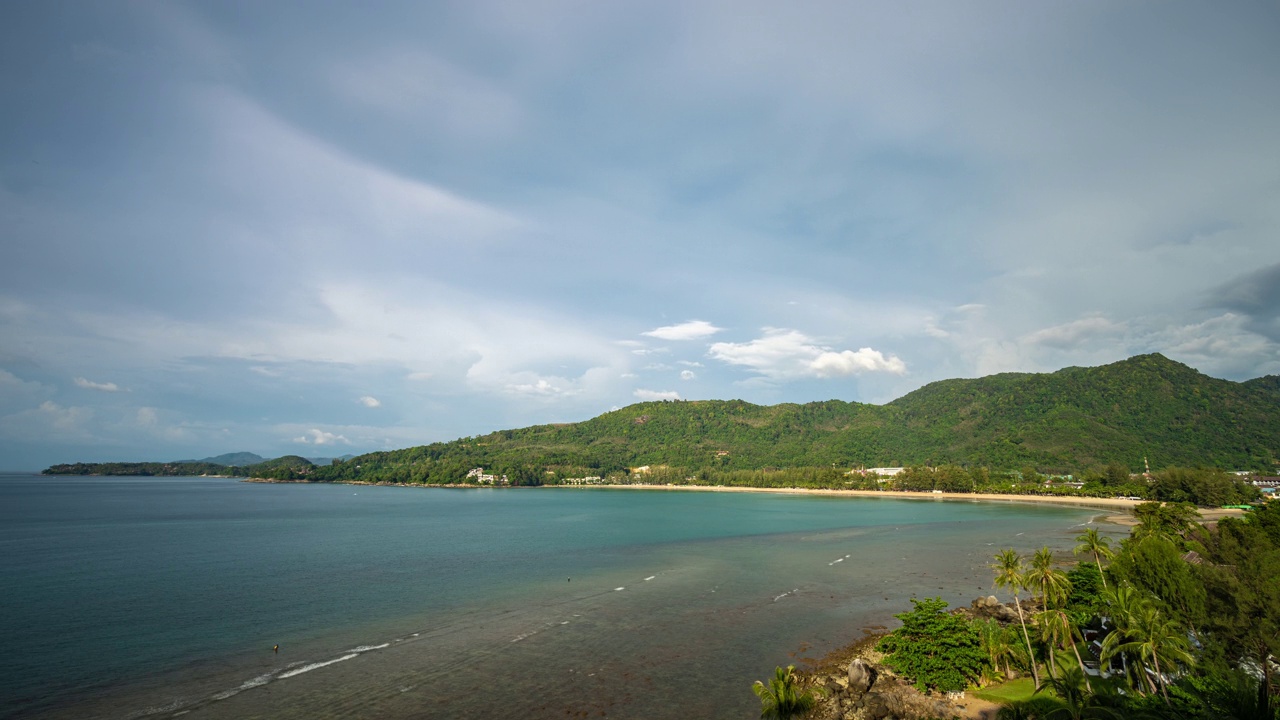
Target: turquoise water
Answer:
pixel 156 597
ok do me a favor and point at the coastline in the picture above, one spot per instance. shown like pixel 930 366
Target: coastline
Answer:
pixel 1123 507
pixel 1104 503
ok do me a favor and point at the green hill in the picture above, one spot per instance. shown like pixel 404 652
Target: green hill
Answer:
pixel 1146 406
pixel 235 459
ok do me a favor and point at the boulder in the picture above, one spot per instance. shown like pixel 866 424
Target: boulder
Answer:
pixel 1005 614
pixel 861 676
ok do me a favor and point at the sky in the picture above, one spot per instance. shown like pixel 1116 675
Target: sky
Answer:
pixel 323 228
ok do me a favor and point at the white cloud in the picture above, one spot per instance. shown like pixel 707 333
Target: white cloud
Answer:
pixel 849 362
pixel 652 395
pixel 692 330
pixel 370 402
pixel 537 386
pixel 315 436
pixel 689 363
pixel 102 387
pixel 50 422
pixel 1076 332
pixel 687 375
pixel 12 385
pixel 789 354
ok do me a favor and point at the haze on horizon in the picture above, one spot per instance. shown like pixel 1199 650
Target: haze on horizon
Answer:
pixel 319 229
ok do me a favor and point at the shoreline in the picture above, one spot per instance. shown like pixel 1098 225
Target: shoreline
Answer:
pixel 1122 506
pixel 1104 503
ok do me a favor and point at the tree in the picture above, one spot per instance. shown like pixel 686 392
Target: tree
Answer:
pixel 1143 632
pixel 782 698
pixel 1171 521
pixel 1099 546
pixel 1052 584
pixel 1009 574
pixel 997 644
pixel 1155 566
pixel 1077 699
pixel 934 649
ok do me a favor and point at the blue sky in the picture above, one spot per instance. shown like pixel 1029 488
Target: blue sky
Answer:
pixel 325 228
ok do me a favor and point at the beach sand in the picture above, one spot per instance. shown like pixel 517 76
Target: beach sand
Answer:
pixel 1108 503
pixel 1207 515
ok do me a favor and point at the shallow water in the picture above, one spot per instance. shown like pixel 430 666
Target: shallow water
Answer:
pixel 134 597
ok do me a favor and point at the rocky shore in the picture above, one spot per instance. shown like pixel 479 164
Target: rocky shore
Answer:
pixel 856 685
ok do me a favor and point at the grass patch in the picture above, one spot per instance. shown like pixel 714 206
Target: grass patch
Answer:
pixel 1019 689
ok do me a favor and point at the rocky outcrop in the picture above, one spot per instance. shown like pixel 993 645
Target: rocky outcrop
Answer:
pixel 857 686
pixel 991 607
pixel 861 677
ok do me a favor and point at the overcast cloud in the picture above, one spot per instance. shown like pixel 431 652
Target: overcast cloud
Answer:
pixel 296 228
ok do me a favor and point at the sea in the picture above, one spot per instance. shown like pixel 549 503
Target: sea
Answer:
pixel 145 597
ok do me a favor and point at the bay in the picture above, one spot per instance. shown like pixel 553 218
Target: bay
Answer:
pixel 162 597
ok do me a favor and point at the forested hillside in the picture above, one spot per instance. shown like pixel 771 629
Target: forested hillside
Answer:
pixel 1144 407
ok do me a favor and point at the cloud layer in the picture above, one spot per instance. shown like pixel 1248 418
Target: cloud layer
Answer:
pixel 380 230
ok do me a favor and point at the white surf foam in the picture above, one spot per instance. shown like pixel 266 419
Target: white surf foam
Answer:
pixel 650 578
pixel 367 648
pixel 316 666
pixel 246 685
pixel 619 589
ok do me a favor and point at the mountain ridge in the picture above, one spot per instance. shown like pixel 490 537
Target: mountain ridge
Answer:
pixel 1144 409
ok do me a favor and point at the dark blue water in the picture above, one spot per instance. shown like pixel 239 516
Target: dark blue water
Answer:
pixel 128 597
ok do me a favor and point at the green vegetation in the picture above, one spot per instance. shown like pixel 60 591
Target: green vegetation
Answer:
pixel 783 698
pixel 1099 422
pixel 289 467
pixel 1012 691
pixel 1187 626
pixel 934 650
pixel 1096 424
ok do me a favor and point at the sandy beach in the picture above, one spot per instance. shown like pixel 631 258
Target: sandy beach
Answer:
pixel 1207 515
pixel 1106 503
pixel 1124 505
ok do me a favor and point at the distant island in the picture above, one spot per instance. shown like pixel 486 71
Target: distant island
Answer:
pixel 1074 431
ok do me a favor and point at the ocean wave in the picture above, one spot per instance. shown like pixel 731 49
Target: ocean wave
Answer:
pixel 316 666
pixel 367 648
pixel 246 685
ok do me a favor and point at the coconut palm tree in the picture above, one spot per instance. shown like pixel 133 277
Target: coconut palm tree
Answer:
pixel 1057 630
pixel 782 698
pixel 1159 643
pixel 1009 574
pixel 1077 701
pixel 1097 545
pixel 1052 584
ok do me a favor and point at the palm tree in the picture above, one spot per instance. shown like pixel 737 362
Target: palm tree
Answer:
pixel 1008 567
pixel 1154 638
pixel 1077 699
pixel 1124 604
pixel 782 698
pixel 1052 584
pixel 1097 545
pixel 1144 634
pixel 1057 630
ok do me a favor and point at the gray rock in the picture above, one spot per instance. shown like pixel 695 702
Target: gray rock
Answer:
pixel 1006 614
pixel 861 676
